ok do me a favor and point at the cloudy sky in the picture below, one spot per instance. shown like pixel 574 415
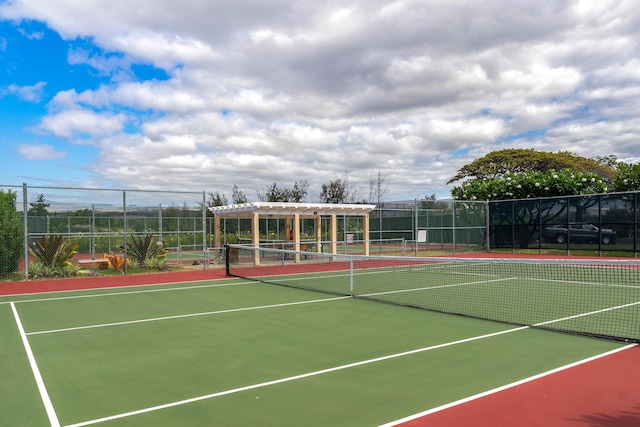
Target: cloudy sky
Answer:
pixel 201 95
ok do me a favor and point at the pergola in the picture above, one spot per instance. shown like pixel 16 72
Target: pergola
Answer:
pixel 292 213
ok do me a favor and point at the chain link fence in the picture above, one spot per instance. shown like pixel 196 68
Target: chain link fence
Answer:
pixel 102 222
pixel 600 224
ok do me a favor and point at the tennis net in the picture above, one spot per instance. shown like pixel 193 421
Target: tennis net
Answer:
pixel 592 297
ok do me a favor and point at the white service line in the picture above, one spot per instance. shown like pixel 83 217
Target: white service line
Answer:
pixel 604 310
pixel 44 395
pixel 429 288
pixel 293 378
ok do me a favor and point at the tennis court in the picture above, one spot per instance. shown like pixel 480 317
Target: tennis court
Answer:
pixel 241 352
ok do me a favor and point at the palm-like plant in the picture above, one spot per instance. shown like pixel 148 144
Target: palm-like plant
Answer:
pixel 53 250
pixel 144 248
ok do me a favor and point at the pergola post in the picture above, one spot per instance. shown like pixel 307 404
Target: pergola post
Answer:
pixel 296 237
pixel 334 234
pixel 216 231
pixel 365 227
pixel 318 233
pixel 287 227
pixel 255 236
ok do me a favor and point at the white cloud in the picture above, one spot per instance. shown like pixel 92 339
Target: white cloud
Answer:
pixel 288 90
pixel 40 152
pixel 31 93
pixel 82 122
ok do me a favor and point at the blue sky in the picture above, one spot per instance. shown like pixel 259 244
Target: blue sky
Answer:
pixel 202 96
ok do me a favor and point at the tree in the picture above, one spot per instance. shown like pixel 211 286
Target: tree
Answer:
pixel 39 207
pixel 377 188
pixel 339 191
pixel 528 185
pixel 610 160
pixel 238 196
pixel 627 178
pixel 11 234
pixel 529 174
pixel 431 202
pixel 516 161
pixel 299 191
pixel 334 192
pixel 216 199
pixel 276 194
pixel 173 211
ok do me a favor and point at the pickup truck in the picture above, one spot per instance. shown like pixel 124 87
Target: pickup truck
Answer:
pixel 580 233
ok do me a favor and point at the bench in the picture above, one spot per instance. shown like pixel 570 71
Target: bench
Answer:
pixel 96 261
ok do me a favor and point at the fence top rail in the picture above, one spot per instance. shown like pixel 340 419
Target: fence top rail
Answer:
pixel 535 199
pixel 44 187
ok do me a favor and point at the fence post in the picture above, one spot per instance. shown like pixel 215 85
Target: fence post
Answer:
pixel 453 223
pixel 25 232
pixel 160 222
pixel 414 232
pixel 487 226
pixel 93 231
pixel 205 246
pixel 124 217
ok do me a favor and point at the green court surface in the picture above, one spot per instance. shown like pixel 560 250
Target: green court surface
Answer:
pixel 241 353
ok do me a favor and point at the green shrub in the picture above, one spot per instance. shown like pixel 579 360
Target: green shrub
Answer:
pixel 11 234
pixel 143 249
pixel 39 270
pixel 53 250
pixel 158 263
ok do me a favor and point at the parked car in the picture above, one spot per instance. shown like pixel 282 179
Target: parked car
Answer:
pixel 580 233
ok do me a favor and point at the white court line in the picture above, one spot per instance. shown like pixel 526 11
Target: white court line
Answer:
pixel 111 287
pixel 428 288
pixel 143 291
pixel 604 310
pixel 293 378
pixel 44 395
pixel 182 316
pixel 504 387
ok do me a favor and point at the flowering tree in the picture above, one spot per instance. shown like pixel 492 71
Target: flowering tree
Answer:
pixel 529 185
pixel 529 174
pixel 627 178
pixel 516 161
pixel 533 185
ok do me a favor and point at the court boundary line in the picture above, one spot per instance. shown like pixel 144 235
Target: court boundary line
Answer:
pixel 42 389
pixel 181 316
pixel 141 291
pixel 504 387
pixel 102 288
pixel 293 378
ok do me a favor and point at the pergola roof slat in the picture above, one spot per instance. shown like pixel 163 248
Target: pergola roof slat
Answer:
pixel 283 209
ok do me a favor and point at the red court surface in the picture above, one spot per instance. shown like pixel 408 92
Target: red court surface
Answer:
pixel 78 283
pixel 601 393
